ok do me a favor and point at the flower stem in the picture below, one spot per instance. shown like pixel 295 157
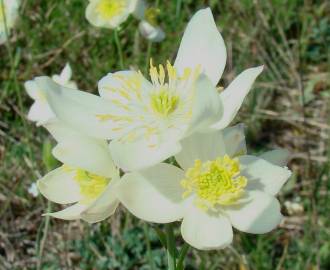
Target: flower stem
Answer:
pixel 171 250
pixel 119 49
pixel 182 256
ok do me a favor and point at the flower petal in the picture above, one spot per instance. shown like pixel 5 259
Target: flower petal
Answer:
pixel 204 231
pixel 235 140
pixel 77 150
pixel 263 175
pixel 78 109
pixel 104 206
pixel 278 157
pixel 111 86
pixel 59 186
pixel 127 155
pixel 233 96
pixel 207 106
pixel 153 194
pixel 260 214
pixel 202 45
pixel 70 213
pixel 203 146
pixel 40 112
pixel 150 32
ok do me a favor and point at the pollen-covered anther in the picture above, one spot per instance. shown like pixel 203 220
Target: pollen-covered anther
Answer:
pixel 214 183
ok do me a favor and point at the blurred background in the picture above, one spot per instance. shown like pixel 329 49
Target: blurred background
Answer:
pixel 288 107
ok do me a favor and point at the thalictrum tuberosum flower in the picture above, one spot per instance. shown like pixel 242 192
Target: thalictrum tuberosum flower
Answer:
pixel 40 111
pixel 111 13
pixel 150 118
pixel 218 187
pixel 87 177
pixel 8 16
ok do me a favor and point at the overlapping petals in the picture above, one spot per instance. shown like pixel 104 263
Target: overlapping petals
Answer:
pixel 254 210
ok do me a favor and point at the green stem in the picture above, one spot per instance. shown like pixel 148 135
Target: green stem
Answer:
pixel 182 256
pixel 149 253
pixel 171 250
pixel 119 49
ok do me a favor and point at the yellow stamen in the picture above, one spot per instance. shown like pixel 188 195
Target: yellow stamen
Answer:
pixel 91 185
pixel 216 182
pixel 151 15
pixel 110 8
pixel 164 102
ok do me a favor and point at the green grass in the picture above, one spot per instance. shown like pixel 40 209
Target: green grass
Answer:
pixel 289 107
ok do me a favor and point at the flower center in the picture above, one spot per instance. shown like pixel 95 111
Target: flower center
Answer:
pixel 164 102
pixel 110 8
pixel 216 182
pixel 91 185
pixel 151 15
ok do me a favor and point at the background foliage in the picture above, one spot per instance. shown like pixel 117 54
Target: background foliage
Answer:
pixel 288 107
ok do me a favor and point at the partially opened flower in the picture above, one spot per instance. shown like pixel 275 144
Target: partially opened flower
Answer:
pixel 149 27
pixel 150 118
pixel 111 13
pixel 87 177
pixel 40 111
pixel 218 187
pixel 8 16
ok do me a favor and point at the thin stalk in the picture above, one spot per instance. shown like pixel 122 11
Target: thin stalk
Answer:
pixel 170 240
pixel 149 253
pixel 44 237
pixel 183 253
pixel 178 8
pixel 119 49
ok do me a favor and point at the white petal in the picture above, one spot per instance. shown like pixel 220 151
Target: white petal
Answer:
pixel 104 206
pixel 204 231
pixel 235 140
pixel 150 32
pixel 78 109
pixel 32 89
pixel 59 186
pixel 40 112
pixel 207 107
pixel 70 213
pixel 111 84
pixel 78 150
pixel 153 194
pixel 203 146
pixel 233 96
pixel 263 175
pixel 278 157
pixel 202 45
pixel 260 214
pixel 66 73
pixel 137 8
pixel 140 154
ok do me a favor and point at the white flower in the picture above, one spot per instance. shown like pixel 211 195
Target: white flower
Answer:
pixel 8 16
pixel 40 111
pixel 148 119
pixel 218 187
pixel 33 190
pixel 87 177
pixel 111 13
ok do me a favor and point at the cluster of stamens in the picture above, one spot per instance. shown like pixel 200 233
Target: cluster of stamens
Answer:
pixel 91 185
pixel 214 183
pixel 110 8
